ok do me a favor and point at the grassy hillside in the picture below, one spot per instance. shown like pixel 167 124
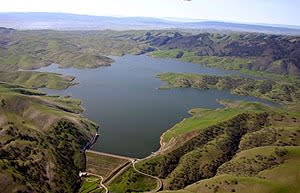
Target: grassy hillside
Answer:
pixel 131 181
pixel 203 118
pixel 240 148
pixel 227 63
pixel 90 184
pixel 41 138
pixel 32 79
pixel 239 51
pixel 228 149
pixel 263 169
pixel 249 52
pixel 34 49
pixel 284 91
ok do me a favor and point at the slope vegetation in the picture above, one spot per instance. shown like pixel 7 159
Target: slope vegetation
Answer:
pixel 284 91
pixel 41 138
pixel 229 149
pixel 32 79
pixel 252 52
pixel 263 169
pixel 239 51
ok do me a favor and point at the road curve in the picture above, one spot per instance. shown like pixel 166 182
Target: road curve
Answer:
pixel 133 161
pixel 160 184
pixel 101 180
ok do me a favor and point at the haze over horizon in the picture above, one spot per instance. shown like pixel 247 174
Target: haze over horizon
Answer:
pixel 237 11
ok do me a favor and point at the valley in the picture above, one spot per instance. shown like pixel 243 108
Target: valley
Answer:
pixel 207 112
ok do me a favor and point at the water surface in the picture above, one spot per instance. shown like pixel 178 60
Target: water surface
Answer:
pixel 124 100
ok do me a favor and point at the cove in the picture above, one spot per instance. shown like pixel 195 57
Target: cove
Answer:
pixel 125 101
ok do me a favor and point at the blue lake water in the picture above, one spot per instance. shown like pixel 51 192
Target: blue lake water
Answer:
pixel 125 101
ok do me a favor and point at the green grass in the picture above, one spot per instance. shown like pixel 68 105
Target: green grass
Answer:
pixel 197 154
pixel 89 184
pixel 289 170
pixel 39 130
pixel 281 92
pixel 281 178
pixel 67 102
pixel 277 135
pixel 35 130
pixel 229 183
pixel 251 162
pixel 31 79
pixel 205 142
pixel 203 118
pixel 131 181
pixel 172 53
pixel 34 49
pixel 228 63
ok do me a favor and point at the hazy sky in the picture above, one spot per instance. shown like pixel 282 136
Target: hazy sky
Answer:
pixel 249 11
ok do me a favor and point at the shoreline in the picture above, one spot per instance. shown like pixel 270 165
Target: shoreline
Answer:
pixel 163 145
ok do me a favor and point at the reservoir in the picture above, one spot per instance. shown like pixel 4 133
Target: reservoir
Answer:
pixel 125 101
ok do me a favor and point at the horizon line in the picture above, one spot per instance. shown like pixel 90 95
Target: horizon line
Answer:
pixel 174 19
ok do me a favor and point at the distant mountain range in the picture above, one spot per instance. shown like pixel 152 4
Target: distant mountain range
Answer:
pixel 63 21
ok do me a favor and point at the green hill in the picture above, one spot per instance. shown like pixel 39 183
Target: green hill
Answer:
pixel 229 150
pixel 243 147
pixel 41 138
pixel 248 52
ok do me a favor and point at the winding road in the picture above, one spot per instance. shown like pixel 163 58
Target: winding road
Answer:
pixel 101 180
pixel 159 184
